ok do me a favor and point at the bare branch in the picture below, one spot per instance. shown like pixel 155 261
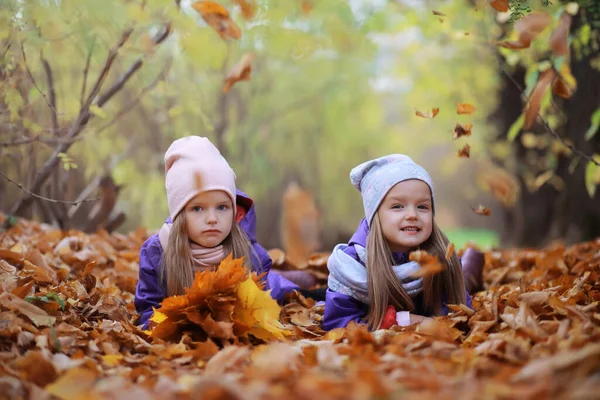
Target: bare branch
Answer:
pixel 52 94
pixel 52 141
pixel 85 115
pixel 85 74
pixel 33 79
pixel 547 125
pixel 72 203
pixel 136 101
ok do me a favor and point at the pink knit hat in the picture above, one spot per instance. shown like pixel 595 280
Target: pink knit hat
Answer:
pixel 194 165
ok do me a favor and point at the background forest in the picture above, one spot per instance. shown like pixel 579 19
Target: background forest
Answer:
pixel 92 93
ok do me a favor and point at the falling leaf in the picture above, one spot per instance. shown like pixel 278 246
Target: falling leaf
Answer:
pixel 465 108
pixel 428 115
pixel 481 210
pixel 218 18
pixel 528 28
pixel 500 5
pixel 461 130
pixel 559 39
pixel 430 265
pixel 465 151
pixel 241 71
pixel 307 6
pixel 500 183
pixel 438 13
pixel 449 250
pixel 248 8
pixel 532 108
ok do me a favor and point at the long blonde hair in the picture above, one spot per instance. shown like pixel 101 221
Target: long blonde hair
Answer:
pixel 176 267
pixel 386 289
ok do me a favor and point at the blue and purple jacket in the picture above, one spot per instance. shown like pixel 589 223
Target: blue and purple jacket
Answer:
pixel 340 309
pixel 150 292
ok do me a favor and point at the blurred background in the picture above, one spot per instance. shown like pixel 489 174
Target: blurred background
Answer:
pixel 92 93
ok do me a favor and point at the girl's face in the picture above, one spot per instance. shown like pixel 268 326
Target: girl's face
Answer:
pixel 406 215
pixel 209 217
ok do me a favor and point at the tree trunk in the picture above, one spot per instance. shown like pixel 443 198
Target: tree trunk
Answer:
pixel 549 214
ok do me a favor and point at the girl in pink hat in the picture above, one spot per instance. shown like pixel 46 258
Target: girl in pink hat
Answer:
pixel 209 219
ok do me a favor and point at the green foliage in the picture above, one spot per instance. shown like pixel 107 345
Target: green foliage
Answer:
pixel 47 298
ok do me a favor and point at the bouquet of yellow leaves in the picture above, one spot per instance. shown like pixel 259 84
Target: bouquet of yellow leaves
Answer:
pixel 225 305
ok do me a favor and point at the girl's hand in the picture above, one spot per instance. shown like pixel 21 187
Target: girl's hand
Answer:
pixel 389 319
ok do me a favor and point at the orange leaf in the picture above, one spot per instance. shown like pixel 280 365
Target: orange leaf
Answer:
pixel 462 130
pixel 465 108
pixel 501 184
pixel 529 27
pixel 560 88
pixel 428 115
pixel 500 5
pixel 481 210
pixel 307 6
pixel 465 151
pixel 559 40
pixel 449 250
pixel 248 8
pixel 241 71
pixel 217 17
pixel 532 108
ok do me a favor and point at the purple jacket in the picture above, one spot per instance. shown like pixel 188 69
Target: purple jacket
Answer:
pixel 150 293
pixel 340 309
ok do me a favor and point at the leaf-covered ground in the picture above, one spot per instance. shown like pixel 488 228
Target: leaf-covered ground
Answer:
pixel 67 329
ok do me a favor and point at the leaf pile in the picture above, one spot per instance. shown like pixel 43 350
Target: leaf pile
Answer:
pixel 224 306
pixel 534 332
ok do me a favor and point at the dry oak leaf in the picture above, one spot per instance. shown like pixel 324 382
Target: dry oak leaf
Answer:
pixel 500 5
pixel 465 151
pixel 461 130
pixel 218 18
pixel 240 72
pixel 481 210
pixel 465 108
pixel 430 265
pixel 428 115
pixel 528 28
pixel 38 316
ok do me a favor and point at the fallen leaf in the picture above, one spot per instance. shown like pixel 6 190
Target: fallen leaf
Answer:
pixel 34 367
pixel 465 108
pixel 76 384
pixel 428 115
pixel 465 151
pixel 559 39
pixel 241 72
pixel 500 5
pixel 532 108
pixel 461 130
pixel 38 316
pixel 481 210
pixel 217 17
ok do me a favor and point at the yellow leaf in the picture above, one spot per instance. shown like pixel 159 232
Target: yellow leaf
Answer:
pixel 112 359
pixel 77 383
pixel 257 309
pixel 97 111
pixel 157 316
